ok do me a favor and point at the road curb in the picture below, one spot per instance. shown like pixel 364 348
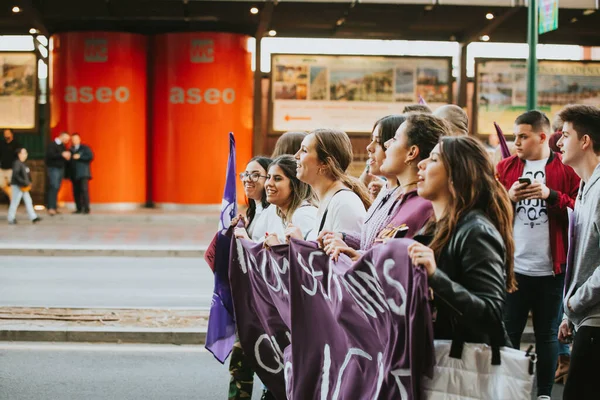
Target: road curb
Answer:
pixel 95 336
pixel 83 252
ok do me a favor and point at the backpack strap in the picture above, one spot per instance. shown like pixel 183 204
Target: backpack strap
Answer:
pixel 327 209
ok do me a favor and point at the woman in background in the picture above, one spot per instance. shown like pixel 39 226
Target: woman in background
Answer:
pixel 288 143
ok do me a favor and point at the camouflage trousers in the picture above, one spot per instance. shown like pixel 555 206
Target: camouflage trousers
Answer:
pixel 242 376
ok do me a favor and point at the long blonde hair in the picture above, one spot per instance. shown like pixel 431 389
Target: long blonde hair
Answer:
pixel 334 149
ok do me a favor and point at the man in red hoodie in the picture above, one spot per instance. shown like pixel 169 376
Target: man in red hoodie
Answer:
pixel 541 188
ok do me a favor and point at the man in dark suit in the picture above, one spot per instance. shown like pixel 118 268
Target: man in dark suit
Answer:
pixel 80 174
pixel 8 155
pixel 56 159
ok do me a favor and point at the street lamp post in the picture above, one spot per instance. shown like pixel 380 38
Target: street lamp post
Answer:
pixel 532 40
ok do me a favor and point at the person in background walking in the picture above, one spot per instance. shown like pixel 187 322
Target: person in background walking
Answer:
pixel 56 159
pixel 580 145
pixel 8 155
pixel 80 174
pixel 21 185
pixel 541 189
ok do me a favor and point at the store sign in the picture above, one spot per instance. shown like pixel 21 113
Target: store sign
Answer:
pixel 548 16
pixel 352 92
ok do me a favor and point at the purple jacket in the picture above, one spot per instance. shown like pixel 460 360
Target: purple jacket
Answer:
pixel 412 211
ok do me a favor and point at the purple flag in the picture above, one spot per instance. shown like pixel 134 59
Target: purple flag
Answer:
pixel 220 335
pixel 317 329
pixel 503 145
pixel 229 203
pixel 422 100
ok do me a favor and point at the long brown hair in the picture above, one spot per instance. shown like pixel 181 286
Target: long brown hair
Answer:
pixel 474 187
pixel 335 150
pixel 300 192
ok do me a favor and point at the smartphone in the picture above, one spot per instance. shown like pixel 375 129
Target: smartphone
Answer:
pixel 401 232
pixel 525 180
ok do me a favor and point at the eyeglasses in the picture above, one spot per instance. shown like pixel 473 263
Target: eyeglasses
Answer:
pixel 254 176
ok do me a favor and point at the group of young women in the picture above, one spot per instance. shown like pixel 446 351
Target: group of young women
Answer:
pixel 440 190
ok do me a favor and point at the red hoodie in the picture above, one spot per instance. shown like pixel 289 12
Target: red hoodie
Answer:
pixel 563 183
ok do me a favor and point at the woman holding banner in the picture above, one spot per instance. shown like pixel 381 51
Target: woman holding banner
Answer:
pixel 259 214
pixel 292 198
pixel 378 214
pixel 469 260
pixel 322 161
pixel 408 213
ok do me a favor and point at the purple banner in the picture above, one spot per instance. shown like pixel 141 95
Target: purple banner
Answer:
pixel 220 335
pixel 317 329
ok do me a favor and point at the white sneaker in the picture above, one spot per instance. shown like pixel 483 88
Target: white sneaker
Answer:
pixel 544 398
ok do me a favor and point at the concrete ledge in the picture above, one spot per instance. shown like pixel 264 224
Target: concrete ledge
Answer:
pixel 146 336
pixel 125 251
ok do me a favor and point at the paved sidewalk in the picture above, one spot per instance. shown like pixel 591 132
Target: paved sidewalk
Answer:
pixel 144 232
pixel 103 325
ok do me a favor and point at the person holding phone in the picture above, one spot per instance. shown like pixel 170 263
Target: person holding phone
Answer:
pixel 541 189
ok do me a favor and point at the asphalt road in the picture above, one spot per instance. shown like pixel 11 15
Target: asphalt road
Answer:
pixel 42 371
pixel 105 282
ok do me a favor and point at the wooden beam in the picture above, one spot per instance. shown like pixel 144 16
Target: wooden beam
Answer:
pixel 266 15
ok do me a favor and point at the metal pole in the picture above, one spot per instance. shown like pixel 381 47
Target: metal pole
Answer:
pixel 462 76
pixel 258 141
pixel 532 41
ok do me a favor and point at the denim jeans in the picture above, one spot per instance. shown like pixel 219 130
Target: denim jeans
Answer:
pixel 55 177
pixel 542 295
pixel 17 195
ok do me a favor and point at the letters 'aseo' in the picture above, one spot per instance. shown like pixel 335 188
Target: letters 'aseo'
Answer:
pixel 179 95
pixel 103 94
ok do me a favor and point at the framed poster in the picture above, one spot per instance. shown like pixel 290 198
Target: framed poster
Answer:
pixel 351 92
pixel 501 89
pixel 18 90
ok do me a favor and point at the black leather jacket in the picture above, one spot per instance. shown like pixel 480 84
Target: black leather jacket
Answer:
pixel 469 284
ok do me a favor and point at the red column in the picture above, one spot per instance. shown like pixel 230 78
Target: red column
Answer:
pixel 98 89
pixel 202 91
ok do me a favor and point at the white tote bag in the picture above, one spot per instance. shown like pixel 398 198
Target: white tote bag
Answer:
pixel 480 372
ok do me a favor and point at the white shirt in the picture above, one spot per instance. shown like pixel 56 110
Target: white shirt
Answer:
pixel 533 255
pixel 304 218
pixel 345 213
pixel 265 221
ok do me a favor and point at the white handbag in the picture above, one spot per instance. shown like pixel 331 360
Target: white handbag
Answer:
pixel 479 371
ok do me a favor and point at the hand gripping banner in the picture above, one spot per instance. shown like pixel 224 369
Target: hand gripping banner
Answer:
pixel 317 329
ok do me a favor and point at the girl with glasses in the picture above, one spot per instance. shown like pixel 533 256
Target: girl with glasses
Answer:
pixel 259 213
